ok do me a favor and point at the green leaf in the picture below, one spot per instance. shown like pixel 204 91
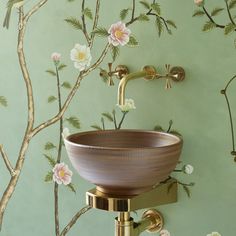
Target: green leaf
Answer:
pixel 71 187
pixel 100 31
pixel 158 128
pixel 51 72
pixel 198 13
pixel 143 17
pixel 232 4
pixel 187 190
pixel 208 26
pixel 88 13
pixel 145 4
pixel 61 67
pixel 216 11
pixel 48 177
pixel 66 85
pixel 51 160
pixel 75 23
pixel 156 7
pixel 97 127
pixel 159 25
pixel 74 121
pixel 229 28
pixel 3 101
pixel 49 146
pixel 115 51
pixel 51 99
pixel 132 41
pixel 108 116
pixel 171 23
pixel 124 13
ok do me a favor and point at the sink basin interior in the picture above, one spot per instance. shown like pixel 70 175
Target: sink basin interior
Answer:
pixel 124 139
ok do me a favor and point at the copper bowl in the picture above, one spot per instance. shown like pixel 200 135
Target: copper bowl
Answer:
pixel 124 162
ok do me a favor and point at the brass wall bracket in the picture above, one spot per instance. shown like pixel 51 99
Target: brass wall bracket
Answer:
pixel 159 195
pixel 152 220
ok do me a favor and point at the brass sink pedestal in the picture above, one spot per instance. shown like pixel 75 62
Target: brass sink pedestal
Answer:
pixel 152 220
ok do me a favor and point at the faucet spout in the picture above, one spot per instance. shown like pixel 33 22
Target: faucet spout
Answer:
pixel 125 80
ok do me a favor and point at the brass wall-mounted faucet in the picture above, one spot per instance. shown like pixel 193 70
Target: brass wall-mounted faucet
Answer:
pixel 176 74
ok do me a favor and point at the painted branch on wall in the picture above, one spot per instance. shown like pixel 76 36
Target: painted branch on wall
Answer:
pixel 115 40
pixel 228 29
pixel 211 16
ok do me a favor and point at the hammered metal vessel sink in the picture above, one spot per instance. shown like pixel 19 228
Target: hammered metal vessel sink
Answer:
pixel 124 162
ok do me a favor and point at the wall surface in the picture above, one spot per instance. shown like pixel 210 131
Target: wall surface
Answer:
pixel 196 107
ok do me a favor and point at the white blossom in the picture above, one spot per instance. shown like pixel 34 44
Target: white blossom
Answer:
pixel 81 56
pixel 129 105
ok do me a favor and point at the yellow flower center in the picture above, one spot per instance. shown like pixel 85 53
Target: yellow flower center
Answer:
pixel 81 56
pixel 119 34
pixel 61 173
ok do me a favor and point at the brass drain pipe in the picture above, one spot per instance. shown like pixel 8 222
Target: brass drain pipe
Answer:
pixel 152 221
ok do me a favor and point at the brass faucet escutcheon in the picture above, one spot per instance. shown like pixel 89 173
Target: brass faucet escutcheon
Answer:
pixel 152 222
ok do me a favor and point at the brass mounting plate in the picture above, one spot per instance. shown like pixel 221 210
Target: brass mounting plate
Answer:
pixel 160 195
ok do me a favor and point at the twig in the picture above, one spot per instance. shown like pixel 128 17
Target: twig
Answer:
pixel 95 23
pixel 114 119
pixel 150 13
pixel 187 185
pixel 224 92
pixel 84 23
pixel 122 119
pixel 133 10
pixel 74 219
pixel 211 19
pixel 7 161
pixel 229 13
pixel 34 9
pixel 56 187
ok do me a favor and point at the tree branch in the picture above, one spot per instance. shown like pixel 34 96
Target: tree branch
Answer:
pixel 99 61
pixel 30 120
pixel 133 10
pixel 7 161
pixel 34 9
pixel 84 24
pixel 71 94
pixel 211 19
pixel 74 220
pixel 63 109
pixel 95 23
pixel 229 13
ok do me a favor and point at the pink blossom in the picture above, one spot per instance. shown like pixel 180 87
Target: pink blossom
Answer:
pixel 62 174
pixel 199 3
pixel 119 34
pixel 56 57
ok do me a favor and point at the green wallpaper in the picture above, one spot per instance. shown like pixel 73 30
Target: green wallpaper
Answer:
pixel 196 106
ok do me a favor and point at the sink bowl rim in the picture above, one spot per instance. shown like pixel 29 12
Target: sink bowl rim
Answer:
pixel 179 139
